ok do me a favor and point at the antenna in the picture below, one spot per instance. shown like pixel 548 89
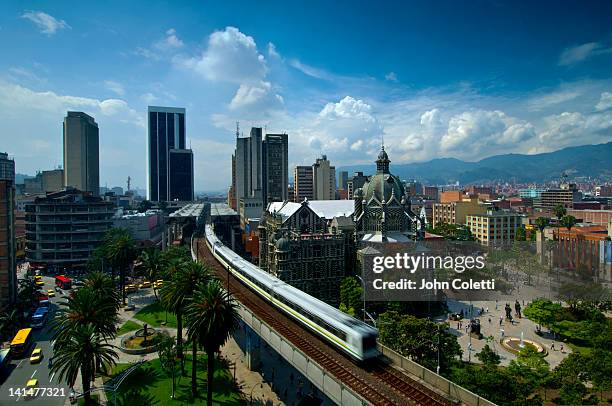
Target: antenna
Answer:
pixel 129 182
pixel 237 129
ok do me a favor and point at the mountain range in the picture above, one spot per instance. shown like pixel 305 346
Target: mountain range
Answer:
pixel 594 161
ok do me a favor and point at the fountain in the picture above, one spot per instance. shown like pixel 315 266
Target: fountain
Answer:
pixel 521 344
pixel 141 342
pixel 516 344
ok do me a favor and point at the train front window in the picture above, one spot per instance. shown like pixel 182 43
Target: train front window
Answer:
pixel 369 342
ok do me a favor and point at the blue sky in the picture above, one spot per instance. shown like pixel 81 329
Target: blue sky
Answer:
pixel 444 79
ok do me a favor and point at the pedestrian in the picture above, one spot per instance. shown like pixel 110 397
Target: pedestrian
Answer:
pixel 501 320
pixel 552 346
pixel 489 319
pixel 561 348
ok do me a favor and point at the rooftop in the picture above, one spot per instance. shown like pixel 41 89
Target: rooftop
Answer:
pixel 326 209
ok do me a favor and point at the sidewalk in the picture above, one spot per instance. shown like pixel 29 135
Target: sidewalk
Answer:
pixel 490 326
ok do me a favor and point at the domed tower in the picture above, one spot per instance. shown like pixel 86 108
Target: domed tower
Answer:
pixel 382 163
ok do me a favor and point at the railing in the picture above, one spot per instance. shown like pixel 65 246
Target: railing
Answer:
pixel 448 388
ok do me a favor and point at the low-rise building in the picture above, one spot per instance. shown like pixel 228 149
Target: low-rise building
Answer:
pixel 63 228
pixel 146 228
pixel 494 227
pixel 455 212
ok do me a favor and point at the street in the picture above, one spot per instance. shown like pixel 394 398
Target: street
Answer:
pixel 20 371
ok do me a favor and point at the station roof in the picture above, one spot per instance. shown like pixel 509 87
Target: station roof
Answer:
pixel 190 210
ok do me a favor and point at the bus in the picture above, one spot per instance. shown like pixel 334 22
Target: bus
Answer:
pixel 63 282
pixel 21 342
pixel 40 317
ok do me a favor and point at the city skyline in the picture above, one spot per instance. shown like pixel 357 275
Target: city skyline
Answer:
pixel 517 85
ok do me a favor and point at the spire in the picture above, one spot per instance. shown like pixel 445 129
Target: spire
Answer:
pixel 382 163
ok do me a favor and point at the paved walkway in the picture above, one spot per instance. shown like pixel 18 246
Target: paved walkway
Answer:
pixel 490 326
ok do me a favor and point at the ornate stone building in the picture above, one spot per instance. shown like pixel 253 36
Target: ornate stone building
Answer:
pixel 382 208
pixel 304 244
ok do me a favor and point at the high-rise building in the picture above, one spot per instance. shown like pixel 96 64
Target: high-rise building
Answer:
pixel 343 181
pixel 8 265
pixel 275 165
pixel 81 152
pixel 564 196
pixel 167 133
pixel 302 187
pixel 255 159
pixel 243 164
pixel 324 179
pixel 356 182
pixel 181 174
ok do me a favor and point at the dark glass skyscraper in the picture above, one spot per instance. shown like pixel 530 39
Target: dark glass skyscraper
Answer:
pixel 166 133
pixel 181 174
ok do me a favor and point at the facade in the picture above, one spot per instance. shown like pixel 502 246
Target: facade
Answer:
pixel 599 217
pixel 455 212
pixel 275 164
pixel 242 163
pixel 302 186
pixel 382 208
pixel 298 245
pixel 231 193
pixel 323 179
pixel 255 160
pixel 81 152
pixel 146 228
pixel 181 174
pixel 356 182
pixel 605 190
pixel 532 193
pixel 45 181
pixel 8 249
pixel 343 181
pixel 63 228
pixel 494 227
pixel 430 193
pixel 250 207
pixel 449 196
pixel 566 195
pixel 167 133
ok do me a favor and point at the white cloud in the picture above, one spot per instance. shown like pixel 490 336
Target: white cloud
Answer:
pixel 472 132
pixel 605 102
pixel 230 56
pixel 348 107
pixel 46 23
pixel 431 118
pixel 544 101
pixel 170 42
pixel 261 95
pixel 148 98
pixel 391 77
pixel 272 52
pixel 115 87
pixel 310 70
pixel 573 55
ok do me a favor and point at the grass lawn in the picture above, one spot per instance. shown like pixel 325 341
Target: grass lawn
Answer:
pixel 154 315
pixel 150 385
pixel 127 327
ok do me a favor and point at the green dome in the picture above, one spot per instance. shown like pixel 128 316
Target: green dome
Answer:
pixel 382 186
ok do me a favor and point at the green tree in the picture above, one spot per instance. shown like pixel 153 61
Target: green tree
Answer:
pixel 568 222
pixel 600 369
pixel 541 223
pixel 144 206
pixel 351 294
pixel 176 292
pixel 521 234
pixel 559 212
pixel 121 252
pixel 418 339
pixel 570 375
pixel 543 311
pixel 488 357
pixel 86 306
pixel 211 317
pixel 168 357
pixel 530 368
pixel 10 320
pixel 152 264
pixel 102 284
pixel 83 350
pixel 494 384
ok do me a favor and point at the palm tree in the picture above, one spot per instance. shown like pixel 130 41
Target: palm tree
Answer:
pixel 86 307
pixel 152 264
pixel 10 320
pixel 83 350
pixel 121 252
pixel 211 317
pixel 174 294
pixel 559 212
pixel 541 223
pixel 103 284
pixel 568 222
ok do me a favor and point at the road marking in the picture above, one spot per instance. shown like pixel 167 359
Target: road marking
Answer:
pixel 52 375
pixel 18 365
pixel 33 373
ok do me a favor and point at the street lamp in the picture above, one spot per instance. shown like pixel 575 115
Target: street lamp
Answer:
pixel 438 367
pixel 363 294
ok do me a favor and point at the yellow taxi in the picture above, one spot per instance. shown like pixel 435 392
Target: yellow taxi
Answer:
pixel 145 284
pixel 36 356
pixel 31 386
pixel 38 281
pixel 131 288
pixel 50 293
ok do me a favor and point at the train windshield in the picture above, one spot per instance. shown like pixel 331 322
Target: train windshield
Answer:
pixel 369 342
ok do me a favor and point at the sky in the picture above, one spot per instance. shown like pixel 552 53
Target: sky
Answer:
pixel 432 79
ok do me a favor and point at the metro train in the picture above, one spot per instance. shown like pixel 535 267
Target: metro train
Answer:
pixel 349 335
